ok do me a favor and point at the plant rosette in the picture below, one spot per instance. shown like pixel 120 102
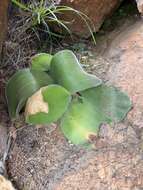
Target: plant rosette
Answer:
pixel 56 88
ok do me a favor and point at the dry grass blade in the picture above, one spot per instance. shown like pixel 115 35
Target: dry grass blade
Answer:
pixel 43 13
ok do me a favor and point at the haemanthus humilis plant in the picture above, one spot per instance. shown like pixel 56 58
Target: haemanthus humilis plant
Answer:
pixel 56 88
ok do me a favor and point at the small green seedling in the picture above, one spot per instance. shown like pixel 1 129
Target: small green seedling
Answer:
pixel 56 88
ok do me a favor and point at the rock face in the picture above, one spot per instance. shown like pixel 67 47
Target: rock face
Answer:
pixel 3 20
pixel 96 10
pixel 126 52
pixel 43 159
pixel 140 5
pixel 46 161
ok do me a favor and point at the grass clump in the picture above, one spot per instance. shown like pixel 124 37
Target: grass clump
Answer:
pixel 43 15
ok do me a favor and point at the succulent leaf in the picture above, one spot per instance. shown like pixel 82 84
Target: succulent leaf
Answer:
pixel 21 86
pixel 80 121
pixel 47 105
pixel 96 106
pixel 41 61
pixel 109 101
pixel 67 72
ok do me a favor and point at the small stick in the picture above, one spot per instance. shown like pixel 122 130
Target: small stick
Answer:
pixel 6 153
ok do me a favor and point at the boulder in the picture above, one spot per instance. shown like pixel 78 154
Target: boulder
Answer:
pixel 125 55
pixel 44 159
pixel 96 10
pixel 3 20
pixel 140 5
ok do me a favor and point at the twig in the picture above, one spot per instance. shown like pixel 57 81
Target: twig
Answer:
pixel 5 155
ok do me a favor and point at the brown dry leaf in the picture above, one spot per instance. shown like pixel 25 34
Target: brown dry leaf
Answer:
pixel 36 104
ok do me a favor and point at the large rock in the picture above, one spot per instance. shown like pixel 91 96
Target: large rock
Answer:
pixel 140 6
pixel 3 20
pixel 126 57
pixel 43 159
pixel 96 10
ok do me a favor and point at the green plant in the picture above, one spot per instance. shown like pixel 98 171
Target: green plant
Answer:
pixel 56 88
pixel 47 13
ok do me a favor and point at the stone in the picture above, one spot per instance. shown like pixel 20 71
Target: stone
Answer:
pixel 3 140
pixel 46 160
pixel 5 184
pixel 96 10
pixel 125 55
pixel 3 148
pixel 3 20
pixel 140 5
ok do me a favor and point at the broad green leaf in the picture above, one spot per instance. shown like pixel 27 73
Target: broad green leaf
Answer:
pixel 67 72
pixel 21 86
pixel 47 105
pixel 94 107
pixel 80 121
pixel 109 101
pixel 41 61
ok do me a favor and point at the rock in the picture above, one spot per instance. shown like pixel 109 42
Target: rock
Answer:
pixel 45 160
pixel 125 55
pixel 5 184
pixel 3 20
pixel 3 148
pixel 96 10
pixel 140 5
pixel 3 140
